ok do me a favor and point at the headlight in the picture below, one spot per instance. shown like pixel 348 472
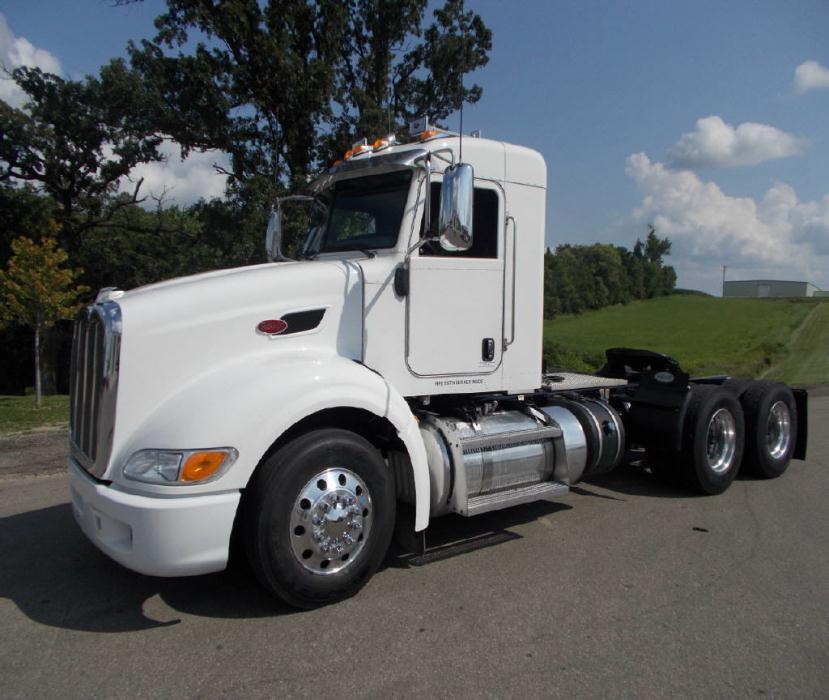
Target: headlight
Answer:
pixel 179 467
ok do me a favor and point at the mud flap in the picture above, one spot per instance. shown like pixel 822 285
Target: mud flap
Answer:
pixel 801 400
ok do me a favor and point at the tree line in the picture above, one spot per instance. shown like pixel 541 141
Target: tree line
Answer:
pixel 583 277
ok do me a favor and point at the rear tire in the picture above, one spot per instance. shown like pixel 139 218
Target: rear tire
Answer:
pixel 771 428
pixel 713 439
pixel 318 517
pixel 738 386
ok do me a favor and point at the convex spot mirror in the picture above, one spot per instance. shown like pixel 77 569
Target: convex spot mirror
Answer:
pixel 455 219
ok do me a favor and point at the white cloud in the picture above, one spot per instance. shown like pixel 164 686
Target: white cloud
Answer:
pixel 16 51
pixel 810 75
pixel 717 144
pixel 181 182
pixel 778 236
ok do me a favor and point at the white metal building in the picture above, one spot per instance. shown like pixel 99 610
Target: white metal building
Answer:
pixel 771 288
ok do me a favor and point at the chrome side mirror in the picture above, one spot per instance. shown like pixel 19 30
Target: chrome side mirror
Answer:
pixel 273 236
pixel 455 219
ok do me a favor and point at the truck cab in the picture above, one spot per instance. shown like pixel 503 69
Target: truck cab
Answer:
pixel 389 374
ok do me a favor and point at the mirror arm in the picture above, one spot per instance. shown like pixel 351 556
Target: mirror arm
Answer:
pixel 450 160
pixel 422 242
pixel 279 256
pixel 427 167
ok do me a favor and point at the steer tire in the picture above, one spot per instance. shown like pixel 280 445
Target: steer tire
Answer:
pixel 771 428
pixel 289 494
pixel 708 463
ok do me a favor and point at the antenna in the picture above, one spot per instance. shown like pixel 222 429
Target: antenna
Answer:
pixel 460 146
pixel 460 140
pixel 390 89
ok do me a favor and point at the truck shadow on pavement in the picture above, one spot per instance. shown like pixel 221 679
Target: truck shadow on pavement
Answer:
pixel 454 535
pixel 56 577
pixel 632 479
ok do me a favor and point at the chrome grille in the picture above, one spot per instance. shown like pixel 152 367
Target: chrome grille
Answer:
pixel 96 347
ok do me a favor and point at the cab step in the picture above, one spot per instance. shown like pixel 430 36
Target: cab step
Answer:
pixel 545 491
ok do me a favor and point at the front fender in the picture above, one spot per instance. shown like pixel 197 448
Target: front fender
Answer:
pixel 250 403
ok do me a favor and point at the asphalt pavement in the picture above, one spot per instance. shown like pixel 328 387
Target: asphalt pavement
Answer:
pixel 626 588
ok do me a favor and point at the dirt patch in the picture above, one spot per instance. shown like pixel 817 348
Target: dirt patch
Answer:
pixel 33 454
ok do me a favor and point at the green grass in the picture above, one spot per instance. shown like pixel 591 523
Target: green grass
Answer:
pixel 807 360
pixel 18 413
pixel 784 339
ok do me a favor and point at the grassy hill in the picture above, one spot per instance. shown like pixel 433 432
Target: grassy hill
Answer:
pixel 785 339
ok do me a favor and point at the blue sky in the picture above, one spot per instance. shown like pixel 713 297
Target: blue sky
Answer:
pixel 688 115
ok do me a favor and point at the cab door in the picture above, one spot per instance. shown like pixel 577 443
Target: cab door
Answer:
pixel 455 305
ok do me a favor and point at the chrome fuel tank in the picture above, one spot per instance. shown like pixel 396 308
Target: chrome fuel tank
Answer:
pixel 496 458
pixel 498 452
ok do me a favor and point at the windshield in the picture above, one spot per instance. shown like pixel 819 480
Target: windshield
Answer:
pixel 360 213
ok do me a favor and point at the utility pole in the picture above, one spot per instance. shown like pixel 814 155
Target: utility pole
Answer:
pixel 724 268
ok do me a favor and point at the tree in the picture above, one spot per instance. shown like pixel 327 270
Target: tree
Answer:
pixel 389 75
pixel 283 85
pixel 75 140
pixel 36 290
pixel 656 248
pixel 657 279
pixel 21 209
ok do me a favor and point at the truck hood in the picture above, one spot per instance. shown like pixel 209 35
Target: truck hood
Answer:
pixel 225 299
pixel 177 332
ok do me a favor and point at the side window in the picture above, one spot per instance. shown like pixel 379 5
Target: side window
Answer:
pixel 484 226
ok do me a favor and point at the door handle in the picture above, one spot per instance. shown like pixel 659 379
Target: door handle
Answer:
pixel 488 349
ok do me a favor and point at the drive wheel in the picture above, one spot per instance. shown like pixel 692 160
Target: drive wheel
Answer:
pixel 771 428
pixel 319 517
pixel 713 439
pixel 738 386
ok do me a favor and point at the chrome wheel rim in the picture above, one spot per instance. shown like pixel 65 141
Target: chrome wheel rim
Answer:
pixel 331 521
pixel 778 430
pixel 721 441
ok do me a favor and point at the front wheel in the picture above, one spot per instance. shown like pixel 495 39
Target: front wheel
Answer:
pixel 713 439
pixel 319 515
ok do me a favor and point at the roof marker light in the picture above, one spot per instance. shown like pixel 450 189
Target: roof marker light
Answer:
pixel 360 147
pixel 429 134
pixel 384 142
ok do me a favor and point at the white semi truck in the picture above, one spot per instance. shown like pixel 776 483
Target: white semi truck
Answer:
pixel 390 375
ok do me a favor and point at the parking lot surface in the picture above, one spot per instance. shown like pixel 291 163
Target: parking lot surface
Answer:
pixel 626 587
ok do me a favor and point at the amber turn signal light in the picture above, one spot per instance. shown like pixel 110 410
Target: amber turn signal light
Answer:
pixel 201 465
